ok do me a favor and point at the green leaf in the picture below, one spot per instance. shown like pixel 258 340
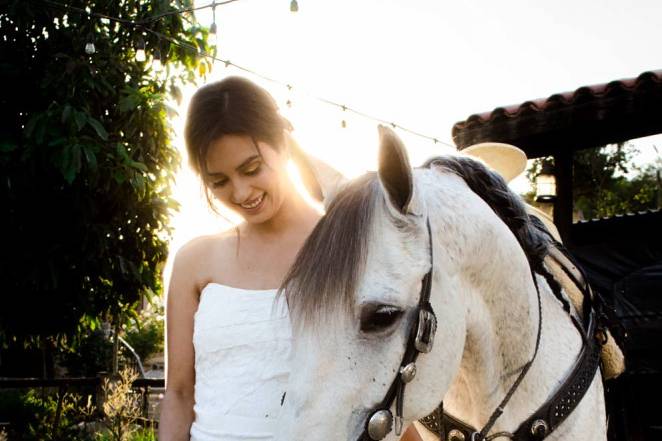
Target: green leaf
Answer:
pixel 138 184
pixel 138 165
pixel 176 93
pixel 96 125
pixel 66 113
pixel 127 103
pixel 29 127
pixel 57 142
pixel 80 118
pixel 6 146
pixel 121 150
pixel 90 157
pixel 119 176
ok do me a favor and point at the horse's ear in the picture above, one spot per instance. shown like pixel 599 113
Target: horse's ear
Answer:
pixel 395 173
pixel 321 180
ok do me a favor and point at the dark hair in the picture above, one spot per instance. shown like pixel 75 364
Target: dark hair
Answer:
pixel 232 106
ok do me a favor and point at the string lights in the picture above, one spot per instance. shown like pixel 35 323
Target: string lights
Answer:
pixel 157 61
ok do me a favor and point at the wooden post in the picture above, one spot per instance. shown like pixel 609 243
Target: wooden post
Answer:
pixel 116 348
pixel 563 205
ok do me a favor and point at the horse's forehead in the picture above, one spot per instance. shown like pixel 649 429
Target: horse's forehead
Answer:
pixel 395 262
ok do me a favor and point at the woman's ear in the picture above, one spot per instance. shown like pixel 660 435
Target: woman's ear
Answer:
pixel 321 180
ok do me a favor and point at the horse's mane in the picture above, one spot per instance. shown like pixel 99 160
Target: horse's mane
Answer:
pixel 493 189
pixel 325 273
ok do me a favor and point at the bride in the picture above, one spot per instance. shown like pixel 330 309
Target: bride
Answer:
pixel 227 343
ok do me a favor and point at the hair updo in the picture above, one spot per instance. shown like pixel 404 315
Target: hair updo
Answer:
pixel 232 106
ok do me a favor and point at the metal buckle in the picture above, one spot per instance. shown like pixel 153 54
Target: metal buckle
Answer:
pixel 427 327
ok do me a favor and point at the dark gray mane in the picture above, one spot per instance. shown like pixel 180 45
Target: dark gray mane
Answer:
pixel 325 275
pixel 327 268
pixel 493 189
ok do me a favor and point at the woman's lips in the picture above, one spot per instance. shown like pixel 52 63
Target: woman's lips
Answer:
pixel 253 204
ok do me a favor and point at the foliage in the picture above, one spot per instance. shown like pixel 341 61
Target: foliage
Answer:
pixel 86 163
pixel 146 333
pixel 121 405
pixel 607 183
pixel 91 354
pixel 39 418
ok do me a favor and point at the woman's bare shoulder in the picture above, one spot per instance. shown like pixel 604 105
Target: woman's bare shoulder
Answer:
pixel 203 254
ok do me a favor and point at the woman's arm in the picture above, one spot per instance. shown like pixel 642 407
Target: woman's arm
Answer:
pixel 181 303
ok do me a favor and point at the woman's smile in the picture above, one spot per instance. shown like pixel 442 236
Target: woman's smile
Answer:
pixel 253 205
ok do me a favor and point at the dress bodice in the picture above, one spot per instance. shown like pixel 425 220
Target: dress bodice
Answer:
pixel 242 341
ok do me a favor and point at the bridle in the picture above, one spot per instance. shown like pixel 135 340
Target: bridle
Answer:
pixel 421 338
pixel 536 427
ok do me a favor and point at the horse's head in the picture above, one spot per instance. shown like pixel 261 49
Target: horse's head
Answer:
pixel 354 293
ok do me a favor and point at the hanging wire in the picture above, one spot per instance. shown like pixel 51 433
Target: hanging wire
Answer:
pixel 144 21
pixel 140 24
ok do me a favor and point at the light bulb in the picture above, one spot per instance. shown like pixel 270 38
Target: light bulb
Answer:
pixel 157 66
pixel 89 46
pixel 140 50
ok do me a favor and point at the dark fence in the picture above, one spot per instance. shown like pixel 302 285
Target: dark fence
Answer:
pixel 94 384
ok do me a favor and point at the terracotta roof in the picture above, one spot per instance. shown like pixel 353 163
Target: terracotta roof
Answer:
pixel 566 113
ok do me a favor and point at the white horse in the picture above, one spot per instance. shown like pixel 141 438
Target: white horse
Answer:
pixel 354 291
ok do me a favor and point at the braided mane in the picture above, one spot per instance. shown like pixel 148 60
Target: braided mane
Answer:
pixel 494 190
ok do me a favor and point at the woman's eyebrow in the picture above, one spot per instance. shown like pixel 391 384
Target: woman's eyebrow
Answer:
pixel 240 166
pixel 247 161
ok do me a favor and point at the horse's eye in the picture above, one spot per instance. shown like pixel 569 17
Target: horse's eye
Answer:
pixel 375 318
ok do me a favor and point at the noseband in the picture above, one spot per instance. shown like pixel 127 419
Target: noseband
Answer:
pixel 536 427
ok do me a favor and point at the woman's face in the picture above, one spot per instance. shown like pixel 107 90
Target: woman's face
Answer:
pixel 253 183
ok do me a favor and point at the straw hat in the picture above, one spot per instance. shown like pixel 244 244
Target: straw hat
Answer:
pixel 507 160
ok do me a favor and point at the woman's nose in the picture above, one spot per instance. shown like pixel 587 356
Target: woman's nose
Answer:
pixel 241 191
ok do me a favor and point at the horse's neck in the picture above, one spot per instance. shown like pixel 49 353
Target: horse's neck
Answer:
pixel 502 325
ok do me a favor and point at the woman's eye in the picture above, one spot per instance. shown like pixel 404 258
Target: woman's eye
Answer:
pixel 219 183
pixel 253 170
pixel 376 318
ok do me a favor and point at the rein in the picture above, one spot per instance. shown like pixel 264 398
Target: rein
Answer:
pixel 540 424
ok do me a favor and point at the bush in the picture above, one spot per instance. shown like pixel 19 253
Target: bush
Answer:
pixel 33 417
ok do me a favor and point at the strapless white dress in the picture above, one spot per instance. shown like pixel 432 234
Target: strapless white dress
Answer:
pixel 242 340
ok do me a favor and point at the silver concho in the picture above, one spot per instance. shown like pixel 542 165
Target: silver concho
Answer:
pixel 407 373
pixel 539 428
pixel 380 424
pixel 427 326
pixel 455 435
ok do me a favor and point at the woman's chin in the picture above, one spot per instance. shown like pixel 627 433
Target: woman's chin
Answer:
pixel 262 213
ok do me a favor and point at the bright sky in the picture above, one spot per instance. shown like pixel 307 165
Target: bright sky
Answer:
pixel 423 64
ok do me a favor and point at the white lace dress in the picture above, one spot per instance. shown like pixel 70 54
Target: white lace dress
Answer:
pixel 242 342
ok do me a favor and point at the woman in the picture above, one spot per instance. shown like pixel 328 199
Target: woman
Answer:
pixel 226 347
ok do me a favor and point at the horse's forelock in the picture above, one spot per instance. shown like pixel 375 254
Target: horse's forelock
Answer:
pixel 325 274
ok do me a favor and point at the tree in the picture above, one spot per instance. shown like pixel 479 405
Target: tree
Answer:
pixel 606 182
pixel 86 161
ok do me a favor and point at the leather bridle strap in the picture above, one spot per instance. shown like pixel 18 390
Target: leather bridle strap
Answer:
pixel 424 324
pixel 499 410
